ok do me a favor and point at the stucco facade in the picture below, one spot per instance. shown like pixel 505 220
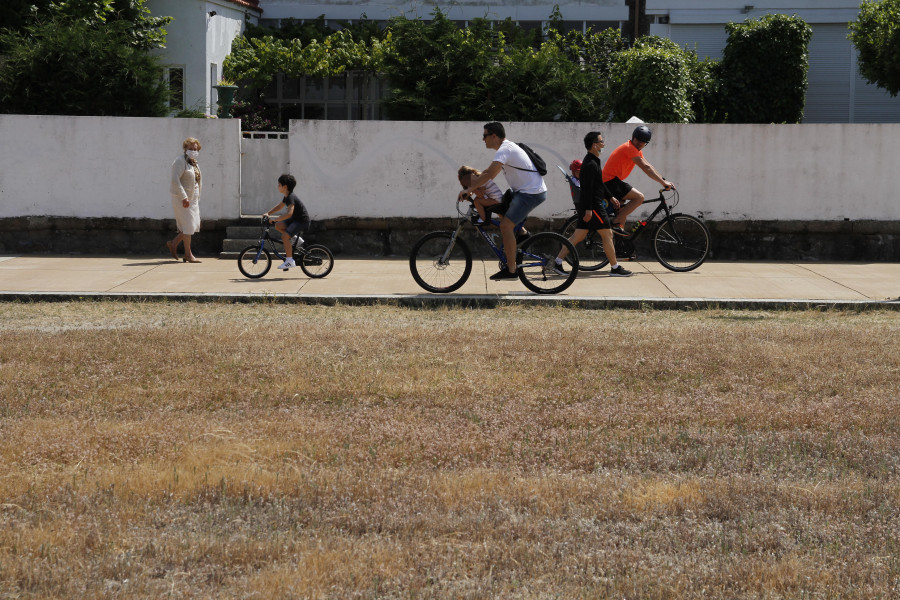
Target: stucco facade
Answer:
pixel 199 38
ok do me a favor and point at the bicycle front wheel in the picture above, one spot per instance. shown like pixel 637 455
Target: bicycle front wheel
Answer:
pixel 316 260
pixel 254 262
pixel 538 269
pixel 591 256
pixel 439 264
pixel 681 242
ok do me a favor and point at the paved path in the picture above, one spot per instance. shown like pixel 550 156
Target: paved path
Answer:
pixel 366 280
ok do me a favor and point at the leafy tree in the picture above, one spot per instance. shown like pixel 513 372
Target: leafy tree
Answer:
pixel 84 57
pixel 258 60
pixel 362 30
pixel 541 85
pixel 763 70
pixel 17 14
pixel 437 71
pixel 706 99
pixel 653 81
pixel 145 31
pixel 876 35
pixel 496 70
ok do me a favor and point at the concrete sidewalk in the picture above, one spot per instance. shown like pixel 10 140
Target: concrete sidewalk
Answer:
pixel 372 280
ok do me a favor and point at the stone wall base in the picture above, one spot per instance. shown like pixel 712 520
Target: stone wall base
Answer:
pixel 731 240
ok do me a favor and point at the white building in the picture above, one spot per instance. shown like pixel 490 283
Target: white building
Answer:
pixel 199 38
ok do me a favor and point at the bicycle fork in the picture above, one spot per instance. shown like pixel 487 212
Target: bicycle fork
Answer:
pixel 446 255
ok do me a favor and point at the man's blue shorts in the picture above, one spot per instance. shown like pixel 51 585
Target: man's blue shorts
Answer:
pixel 522 204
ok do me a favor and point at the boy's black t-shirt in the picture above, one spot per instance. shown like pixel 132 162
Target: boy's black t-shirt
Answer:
pixel 300 213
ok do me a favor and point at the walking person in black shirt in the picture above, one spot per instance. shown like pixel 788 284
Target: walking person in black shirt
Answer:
pixel 592 208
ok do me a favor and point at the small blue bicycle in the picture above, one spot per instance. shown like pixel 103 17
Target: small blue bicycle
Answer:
pixel 255 261
pixel 441 261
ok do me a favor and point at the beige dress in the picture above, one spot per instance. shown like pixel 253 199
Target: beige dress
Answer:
pixel 185 185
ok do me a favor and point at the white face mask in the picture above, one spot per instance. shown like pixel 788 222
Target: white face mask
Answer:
pixel 193 154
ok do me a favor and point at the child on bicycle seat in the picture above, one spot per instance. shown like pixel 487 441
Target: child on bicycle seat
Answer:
pixel 292 221
pixel 487 198
pixel 575 180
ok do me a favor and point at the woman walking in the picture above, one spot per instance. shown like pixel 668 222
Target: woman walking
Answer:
pixel 185 190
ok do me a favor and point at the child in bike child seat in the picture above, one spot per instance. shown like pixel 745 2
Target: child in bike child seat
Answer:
pixel 488 198
pixel 292 221
pixel 575 180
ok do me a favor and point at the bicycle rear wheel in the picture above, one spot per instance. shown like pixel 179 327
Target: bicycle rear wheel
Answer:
pixel 316 260
pixel 538 270
pixel 254 262
pixel 591 256
pixel 438 266
pixel 681 242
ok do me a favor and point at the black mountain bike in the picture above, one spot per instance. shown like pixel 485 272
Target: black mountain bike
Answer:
pixel 255 261
pixel 441 261
pixel 680 242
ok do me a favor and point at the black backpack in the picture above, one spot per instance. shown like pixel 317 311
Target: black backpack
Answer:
pixel 538 162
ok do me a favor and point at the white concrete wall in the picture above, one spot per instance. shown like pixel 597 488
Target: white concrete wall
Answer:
pixel 119 167
pixel 725 172
pixel 264 161
pixel 112 166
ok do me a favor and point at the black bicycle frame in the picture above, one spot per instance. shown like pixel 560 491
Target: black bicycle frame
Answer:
pixel 642 224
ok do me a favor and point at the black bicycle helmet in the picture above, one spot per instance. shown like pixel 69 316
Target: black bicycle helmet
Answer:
pixel 642 134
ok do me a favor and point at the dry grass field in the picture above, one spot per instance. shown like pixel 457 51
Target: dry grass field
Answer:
pixel 170 450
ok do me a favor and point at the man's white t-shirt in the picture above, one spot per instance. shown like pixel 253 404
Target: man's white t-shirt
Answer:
pixel 509 155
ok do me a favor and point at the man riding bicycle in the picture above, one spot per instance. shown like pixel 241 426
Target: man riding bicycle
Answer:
pixel 619 165
pixel 529 189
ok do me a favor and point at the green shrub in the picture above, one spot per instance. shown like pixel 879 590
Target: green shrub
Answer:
pixel 763 73
pixel 876 35
pixel 70 67
pixel 652 80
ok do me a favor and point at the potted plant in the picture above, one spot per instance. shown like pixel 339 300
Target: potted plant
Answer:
pixel 226 89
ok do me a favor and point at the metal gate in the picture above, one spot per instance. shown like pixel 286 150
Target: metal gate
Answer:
pixel 264 156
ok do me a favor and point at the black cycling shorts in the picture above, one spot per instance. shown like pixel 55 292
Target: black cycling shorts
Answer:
pixel 294 227
pixel 618 188
pixel 599 220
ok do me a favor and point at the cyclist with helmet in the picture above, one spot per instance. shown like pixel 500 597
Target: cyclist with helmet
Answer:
pixel 619 165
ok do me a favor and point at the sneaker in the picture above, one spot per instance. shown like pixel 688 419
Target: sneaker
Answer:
pixel 287 264
pixel 560 268
pixel 620 271
pixel 503 274
pixel 618 230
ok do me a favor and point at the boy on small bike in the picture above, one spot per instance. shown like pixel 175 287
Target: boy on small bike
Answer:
pixel 292 221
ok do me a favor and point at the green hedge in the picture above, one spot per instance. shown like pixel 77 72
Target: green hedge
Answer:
pixel 438 71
